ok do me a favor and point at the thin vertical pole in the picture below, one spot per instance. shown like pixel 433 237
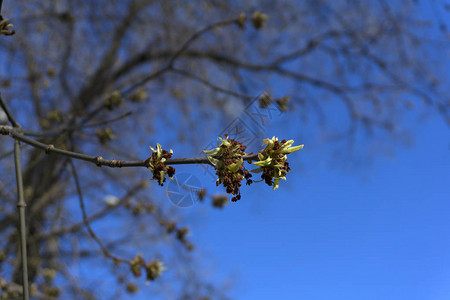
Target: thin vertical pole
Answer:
pixel 21 205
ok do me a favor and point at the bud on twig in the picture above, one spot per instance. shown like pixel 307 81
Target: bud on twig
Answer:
pixel 5 27
pixel 259 19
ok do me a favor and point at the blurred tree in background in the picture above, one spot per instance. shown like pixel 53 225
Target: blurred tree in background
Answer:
pixel 112 77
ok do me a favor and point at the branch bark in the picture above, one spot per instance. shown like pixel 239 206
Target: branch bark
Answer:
pixel 98 160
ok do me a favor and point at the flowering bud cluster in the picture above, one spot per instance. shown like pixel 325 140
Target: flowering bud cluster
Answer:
pixel 180 233
pixel 156 164
pixel 113 101
pixel 153 269
pixel 105 135
pixel 5 27
pixel 229 165
pixel 273 160
pixel 228 160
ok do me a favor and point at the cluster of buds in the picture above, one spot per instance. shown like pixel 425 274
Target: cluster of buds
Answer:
pixel 105 135
pixel 153 269
pixel 180 233
pixel 228 160
pixel 258 20
pixel 265 100
pixel 273 160
pixel 113 101
pixel 139 96
pixel 156 165
pixel 5 27
pixel 52 117
pixel 229 165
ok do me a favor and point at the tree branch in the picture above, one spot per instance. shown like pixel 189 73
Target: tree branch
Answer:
pixel 172 58
pixel 196 35
pixel 8 114
pixel 211 85
pixel 23 234
pixel 67 128
pixel 101 213
pixel 86 221
pixel 98 160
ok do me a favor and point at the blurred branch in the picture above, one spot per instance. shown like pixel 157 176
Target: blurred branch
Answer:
pixel 13 288
pixel 67 128
pixel 146 56
pixel 100 79
pixel 196 35
pixel 172 58
pixel 75 286
pixel 101 213
pixel 211 85
pixel 8 114
pixel 8 153
pixel 271 67
pixel 86 221
pixel 106 122
pixel 310 46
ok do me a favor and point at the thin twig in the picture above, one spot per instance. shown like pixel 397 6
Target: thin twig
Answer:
pixel 8 114
pixel 196 35
pixel 105 122
pixel 21 206
pixel 100 161
pixel 101 213
pixel 86 219
pixel 6 154
pixel 178 53
pixel 211 85
pixel 65 128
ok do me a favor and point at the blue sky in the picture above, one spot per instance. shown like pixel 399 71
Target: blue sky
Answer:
pixel 379 233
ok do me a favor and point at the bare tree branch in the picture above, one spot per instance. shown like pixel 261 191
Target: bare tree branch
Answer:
pixel 86 220
pixel 8 114
pixel 98 160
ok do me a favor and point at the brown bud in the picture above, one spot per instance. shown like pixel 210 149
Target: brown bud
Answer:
pixel 171 227
pixel 182 232
pixel 259 19
pixel 241 20
pixel 219 201
pixel 264 100
pixel 201 194
pixel 282 103
pixel 132 288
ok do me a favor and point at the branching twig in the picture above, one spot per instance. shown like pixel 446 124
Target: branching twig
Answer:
pixel 101 213
pixel 177 54
pixel 211 85
pixel 86 221
pixel 196 35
